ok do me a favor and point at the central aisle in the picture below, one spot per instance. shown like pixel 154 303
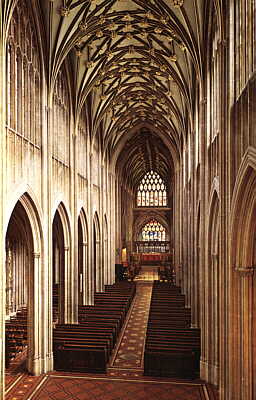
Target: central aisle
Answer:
pixel 147 273
pixel 128 357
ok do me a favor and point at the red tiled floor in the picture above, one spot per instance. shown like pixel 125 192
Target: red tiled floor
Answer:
pixel 124 379
pixel 23 388
pixel 57 388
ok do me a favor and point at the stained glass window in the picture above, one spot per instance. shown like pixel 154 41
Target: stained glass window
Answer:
pixel 152 191
pixel 153 231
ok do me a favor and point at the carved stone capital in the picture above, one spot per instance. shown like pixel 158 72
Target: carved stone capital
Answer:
pixel 203 101
pixel 82 26
pixel 222 42
pixel 36 255
pixel 64 11
pixel 245 271
pixel 177 3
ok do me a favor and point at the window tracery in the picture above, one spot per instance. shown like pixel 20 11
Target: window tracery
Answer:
pixel 23 89
pixel 152 191
pixel 61 118
pixel 153 231
pixel 82 143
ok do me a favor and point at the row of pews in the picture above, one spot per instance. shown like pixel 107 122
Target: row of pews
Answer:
pixel 55 303
pixel 172 348
pixel 15 335
pixel 87 346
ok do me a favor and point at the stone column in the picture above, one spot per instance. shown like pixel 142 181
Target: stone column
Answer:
pixel 74 278
pixel 90 270
pixel 98 263
pixel 225 200
pixel 46 177
pixel 65 293
pixel 118 219
pixel 85 289
pixel 112 229
pixel 177 227
pixel 68 287
pixel 246 329
pixel 35 326
pixel 214 326
pixel 102 261
pixel 3 179
pixel 241 383
pixel 193 227
pixel 203 262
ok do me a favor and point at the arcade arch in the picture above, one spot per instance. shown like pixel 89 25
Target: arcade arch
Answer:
pixel 97 259
pixel 243 282
pixel 62 274
pixel 213 348
pixel 83 267
pixel 25 278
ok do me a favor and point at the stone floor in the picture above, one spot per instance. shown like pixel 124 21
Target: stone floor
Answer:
pixel 147 273
pixel 124 379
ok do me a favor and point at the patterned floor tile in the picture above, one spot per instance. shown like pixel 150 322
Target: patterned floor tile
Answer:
pixel 124 379
pixel 137 320
pixel 56 388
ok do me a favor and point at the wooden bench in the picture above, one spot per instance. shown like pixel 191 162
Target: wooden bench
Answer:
pixel 15 335
pixel 173 362
pixel 172 349
pixel 86 347
pixel 80 357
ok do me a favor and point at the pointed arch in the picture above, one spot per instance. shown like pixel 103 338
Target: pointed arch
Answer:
pixel 83 265
pixel 213 225
pixel 243 280
pixel 143 219
pixel 62 263
pixel 242 210
pixel 213 279
pixel 84 224
pixel 97 257
pixel 152 191
pixel 106 252
pixel 24 229
pixel 65 220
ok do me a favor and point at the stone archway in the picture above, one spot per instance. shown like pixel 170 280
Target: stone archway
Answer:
pixel 62 271
pixel 83 268
pixel 213 346
pixel 242 322
pixel 97 259
pixel 106 261
pixel 195 298
pixel 25 279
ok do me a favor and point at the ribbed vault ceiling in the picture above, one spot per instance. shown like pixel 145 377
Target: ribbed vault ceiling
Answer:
pixel 135 62
pixel 145 151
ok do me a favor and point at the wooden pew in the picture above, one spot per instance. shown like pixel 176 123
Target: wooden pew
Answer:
pixel 172 349
pixel 15 335
pixel 80 357
pixel 86 347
